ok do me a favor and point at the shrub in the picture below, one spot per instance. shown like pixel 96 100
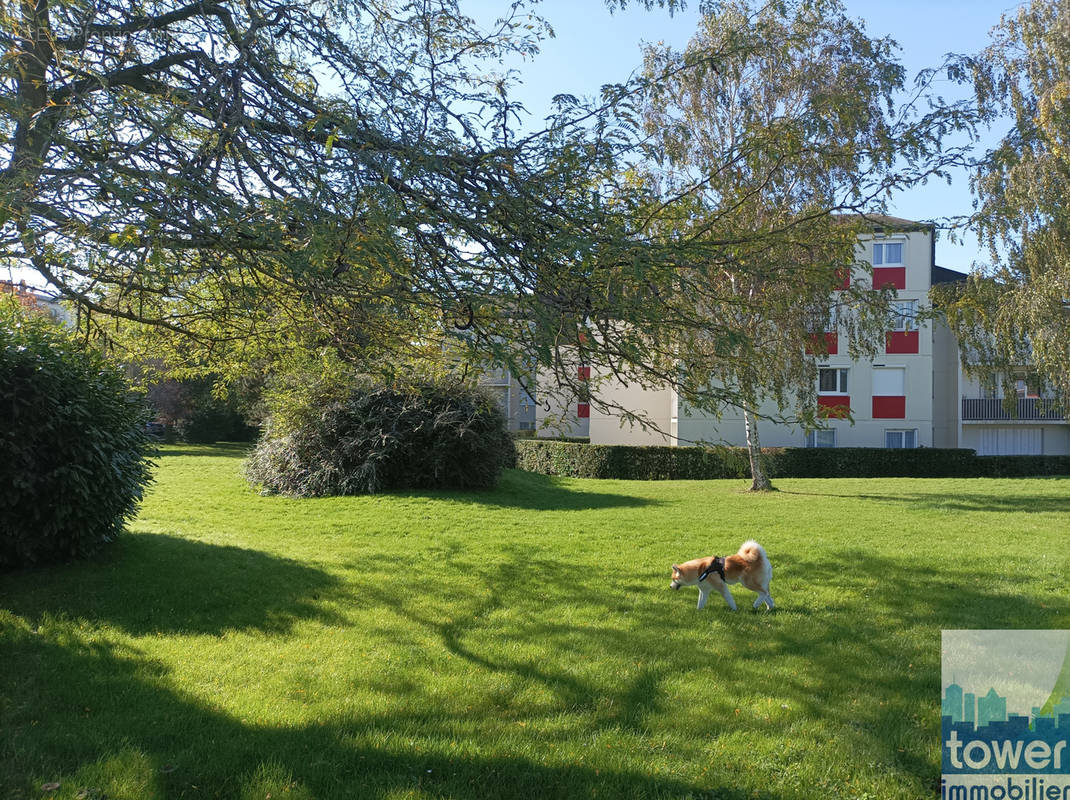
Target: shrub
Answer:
pixel 428 436
pixel 630 462
pixel 72 446
pixel 192 412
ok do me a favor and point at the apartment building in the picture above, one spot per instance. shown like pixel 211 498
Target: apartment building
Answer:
pixel 516 398
pixel 913 394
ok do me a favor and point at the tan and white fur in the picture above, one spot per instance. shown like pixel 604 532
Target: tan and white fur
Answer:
pixel 750 566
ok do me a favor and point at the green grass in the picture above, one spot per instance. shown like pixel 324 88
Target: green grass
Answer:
pixel 516 643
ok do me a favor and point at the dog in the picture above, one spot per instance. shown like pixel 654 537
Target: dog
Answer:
pixel 750 566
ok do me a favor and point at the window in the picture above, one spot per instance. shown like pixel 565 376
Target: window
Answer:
pixel 887 253
pixel 889 393
pixel 900 439
pixel 903 315
pixel 889 381
pixel 824 320
pixel 1023 389
pixel 831 381
pixel 821 438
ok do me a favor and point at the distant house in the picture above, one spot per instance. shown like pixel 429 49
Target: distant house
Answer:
pixel 36 300
pixel 516 397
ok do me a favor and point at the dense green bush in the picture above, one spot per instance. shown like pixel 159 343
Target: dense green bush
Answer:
pixel 191 411
pixel 870 462
pixel 1023 466
pixel 629 462
pixel 72 444
pixel 428 436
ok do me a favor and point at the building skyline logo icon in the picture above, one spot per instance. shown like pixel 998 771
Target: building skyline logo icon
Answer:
pixel 1005 715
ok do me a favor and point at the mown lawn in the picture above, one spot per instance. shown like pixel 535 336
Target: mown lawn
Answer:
pixel 516 643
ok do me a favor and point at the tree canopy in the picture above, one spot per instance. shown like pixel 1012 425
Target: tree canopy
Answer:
pixel 259 175
pixel 779 124
pixel 1014 318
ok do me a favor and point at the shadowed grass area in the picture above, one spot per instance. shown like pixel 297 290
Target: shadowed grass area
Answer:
pixel 516 642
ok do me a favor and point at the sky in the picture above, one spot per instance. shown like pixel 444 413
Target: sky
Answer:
pixel 593 47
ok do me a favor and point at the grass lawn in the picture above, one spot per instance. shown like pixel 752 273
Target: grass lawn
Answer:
pixel 515 643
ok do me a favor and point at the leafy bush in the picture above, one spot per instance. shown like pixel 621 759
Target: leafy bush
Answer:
pixel 429 436
pixel 72 446
pixel 629 462
pixel 1023 466
pixel 192 412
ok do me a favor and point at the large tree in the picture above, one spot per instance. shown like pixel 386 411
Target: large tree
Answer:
pixel 1014 317
pixel 778 123
pixel 263 175
pixel 236 169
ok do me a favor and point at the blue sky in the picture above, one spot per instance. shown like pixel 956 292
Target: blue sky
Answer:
pixel 593 47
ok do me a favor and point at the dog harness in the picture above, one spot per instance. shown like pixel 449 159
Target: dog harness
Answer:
pixel 717 566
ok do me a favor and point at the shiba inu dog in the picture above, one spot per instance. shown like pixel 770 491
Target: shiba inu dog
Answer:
pixel 750 566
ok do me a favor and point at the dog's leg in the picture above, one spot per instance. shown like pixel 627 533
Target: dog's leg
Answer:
pixel 703 593
pixel 764 597
pixel 726 593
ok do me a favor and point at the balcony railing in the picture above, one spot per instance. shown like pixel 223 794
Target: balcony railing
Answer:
pixel 1026 408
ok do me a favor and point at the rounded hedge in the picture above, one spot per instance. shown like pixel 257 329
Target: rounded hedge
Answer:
pixel 72 444
pixel 375 439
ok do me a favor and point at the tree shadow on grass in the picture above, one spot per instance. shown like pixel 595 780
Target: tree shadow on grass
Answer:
pixel 536 492
pixel 878 642
pixel 90 713
pixel 217 450
pixel 961 501
pixel 68 704
pixel 151 583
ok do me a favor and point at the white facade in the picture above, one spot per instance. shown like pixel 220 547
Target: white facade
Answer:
pixel 914 394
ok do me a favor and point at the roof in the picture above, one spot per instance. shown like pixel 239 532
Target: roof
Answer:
pixel 945 275
pixel 881 222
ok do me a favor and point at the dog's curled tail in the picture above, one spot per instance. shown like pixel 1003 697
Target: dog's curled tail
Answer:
pixel 750 550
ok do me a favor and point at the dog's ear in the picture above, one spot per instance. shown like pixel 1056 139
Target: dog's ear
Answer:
pixel 675 568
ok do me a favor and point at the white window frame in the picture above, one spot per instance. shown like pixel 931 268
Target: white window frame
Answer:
pixel 903 315
pixel 841 381
pixel 880 253
pixel 814 438
pixel 903 433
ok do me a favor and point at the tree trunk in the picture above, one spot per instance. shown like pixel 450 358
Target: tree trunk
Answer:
pixel 759 480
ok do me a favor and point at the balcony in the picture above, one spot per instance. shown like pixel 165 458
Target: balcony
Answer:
pixel 1035 409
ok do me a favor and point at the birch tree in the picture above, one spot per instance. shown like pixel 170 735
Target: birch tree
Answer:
pixel 1013 319
pixel 779 122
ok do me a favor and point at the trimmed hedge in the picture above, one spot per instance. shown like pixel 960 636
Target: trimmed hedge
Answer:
pixel 629 462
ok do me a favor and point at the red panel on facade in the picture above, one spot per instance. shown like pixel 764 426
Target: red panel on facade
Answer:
pixel 831 346
pixel 583 410
pixel 895 277
pixel 845 274
pixel 836 406
pixel 585 373
pixel 889 407
pixel 901 342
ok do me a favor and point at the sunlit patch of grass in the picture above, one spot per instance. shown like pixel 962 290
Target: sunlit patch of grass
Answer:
pixel 516 642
